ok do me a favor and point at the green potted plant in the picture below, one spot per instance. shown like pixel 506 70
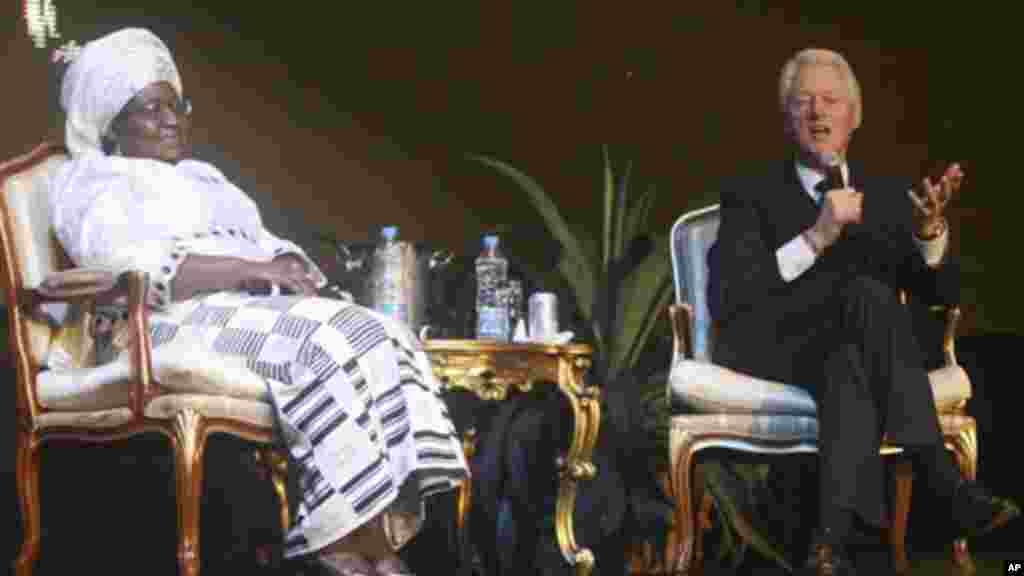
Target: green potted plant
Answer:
pixel 622 283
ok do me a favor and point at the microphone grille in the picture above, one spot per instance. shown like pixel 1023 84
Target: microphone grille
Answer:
pixel 830 159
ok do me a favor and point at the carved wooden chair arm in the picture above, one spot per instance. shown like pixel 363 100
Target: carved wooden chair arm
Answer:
pixel 72 283
pixel 951 319
pixel 681 318
pixel 100 285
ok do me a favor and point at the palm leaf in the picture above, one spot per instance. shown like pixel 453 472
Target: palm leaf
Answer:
pixel 576 265
pixel 609 206
pixel 643 295
pixel 620 238
pixel 658 304
pixel 567 267
pixel 639 212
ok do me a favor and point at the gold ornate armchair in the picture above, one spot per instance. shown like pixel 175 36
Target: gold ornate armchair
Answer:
pixel 714 407
pixel 84 402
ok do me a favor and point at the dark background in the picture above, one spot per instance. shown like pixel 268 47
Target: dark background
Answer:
pixel 340 117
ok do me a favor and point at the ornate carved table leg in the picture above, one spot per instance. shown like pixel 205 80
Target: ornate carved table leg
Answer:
pixel 465 497
pixel 577 465
pixel 189 441
pixel 27 470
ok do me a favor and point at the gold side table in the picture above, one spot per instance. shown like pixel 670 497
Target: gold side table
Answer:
pixel 490 370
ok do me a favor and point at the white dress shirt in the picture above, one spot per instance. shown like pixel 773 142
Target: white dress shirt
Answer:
pixel 796 256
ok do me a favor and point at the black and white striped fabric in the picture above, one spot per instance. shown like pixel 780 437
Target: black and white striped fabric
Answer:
pixel 357 402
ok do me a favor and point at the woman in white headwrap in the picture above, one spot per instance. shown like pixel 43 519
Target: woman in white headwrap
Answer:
pixel 355 397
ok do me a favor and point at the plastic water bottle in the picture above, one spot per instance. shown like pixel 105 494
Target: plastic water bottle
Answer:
pixel 491 275
pixel 387 275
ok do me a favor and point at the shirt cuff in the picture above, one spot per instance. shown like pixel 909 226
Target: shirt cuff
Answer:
pixel 794 258
pixel 159 258
pixel 934 250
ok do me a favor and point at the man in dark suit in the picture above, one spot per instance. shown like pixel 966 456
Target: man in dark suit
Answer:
pixel 803 285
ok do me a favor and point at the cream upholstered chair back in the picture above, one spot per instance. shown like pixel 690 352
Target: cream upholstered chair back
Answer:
pixel 31 248
pixel 692 237
pixel 27 197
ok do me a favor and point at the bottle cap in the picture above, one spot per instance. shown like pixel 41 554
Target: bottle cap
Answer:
pixel 491 241
pixel 389 232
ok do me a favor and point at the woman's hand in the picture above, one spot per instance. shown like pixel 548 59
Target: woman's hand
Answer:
pixel 930 200
pixel 287 271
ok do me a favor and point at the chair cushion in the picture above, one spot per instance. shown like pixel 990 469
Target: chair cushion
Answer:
pixel 770 427
pixel 84 389
pixel 708 388
pixel 179 366
pixel 773 428
pixel 254 412
pixel 95 419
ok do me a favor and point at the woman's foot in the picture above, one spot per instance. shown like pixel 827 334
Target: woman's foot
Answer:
pixel 392 566
pixel 347 564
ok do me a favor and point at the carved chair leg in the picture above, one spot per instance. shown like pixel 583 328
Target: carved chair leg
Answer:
pixel 27 470
pixel 903 482
pixel 700 506
pixel 464 500
pixel 189 442
pixel 685 516
pixel 965 449
pixel 276 465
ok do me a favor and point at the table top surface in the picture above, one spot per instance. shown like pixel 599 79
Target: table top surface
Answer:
pixel 495 346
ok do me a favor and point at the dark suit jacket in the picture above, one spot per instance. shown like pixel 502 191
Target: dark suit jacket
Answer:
pixel 765 321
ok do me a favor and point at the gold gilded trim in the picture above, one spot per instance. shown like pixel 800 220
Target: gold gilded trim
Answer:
pixel 277 468
pixel 494 370
pixel 189 439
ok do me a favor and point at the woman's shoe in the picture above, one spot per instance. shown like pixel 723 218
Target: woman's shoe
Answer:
pixel 346 564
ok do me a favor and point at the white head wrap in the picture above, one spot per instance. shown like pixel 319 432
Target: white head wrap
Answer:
pixel 106 74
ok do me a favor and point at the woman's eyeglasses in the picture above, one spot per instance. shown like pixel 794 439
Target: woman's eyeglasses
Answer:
pixel 154 108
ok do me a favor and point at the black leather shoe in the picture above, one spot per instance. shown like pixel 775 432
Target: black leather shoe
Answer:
pixel 976 512
pixel 827 559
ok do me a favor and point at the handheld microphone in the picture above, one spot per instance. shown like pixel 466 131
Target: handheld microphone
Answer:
pixel 834 177
pixel 833 170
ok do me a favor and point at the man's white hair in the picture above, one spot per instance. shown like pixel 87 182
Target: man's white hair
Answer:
pixel 820 57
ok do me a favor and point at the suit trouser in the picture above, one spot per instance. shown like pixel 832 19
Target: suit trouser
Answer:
pixel 848 341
